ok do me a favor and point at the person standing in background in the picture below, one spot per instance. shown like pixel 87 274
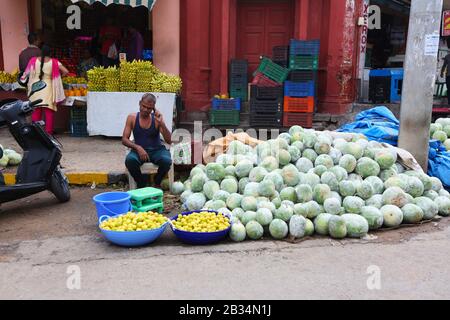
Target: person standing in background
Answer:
pixel 109 35
pixel 51 71
pixel 135 44
pixel 89 62
pixel 34 41
pixel 446 75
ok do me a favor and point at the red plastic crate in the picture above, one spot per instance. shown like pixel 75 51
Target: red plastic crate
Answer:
pixel 263 81
pixel 299 105
pixel 304 120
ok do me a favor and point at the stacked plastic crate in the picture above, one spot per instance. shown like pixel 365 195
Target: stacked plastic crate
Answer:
pixel 78 122
pixel 281 56
pixel 239 79
pixel 227 111
pixel 300 89
pixel 266 106
pixel 266 103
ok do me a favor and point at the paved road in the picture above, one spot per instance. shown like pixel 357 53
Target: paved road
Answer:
pixel 54 251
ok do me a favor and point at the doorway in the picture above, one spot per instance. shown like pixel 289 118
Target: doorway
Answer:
pixel 262 25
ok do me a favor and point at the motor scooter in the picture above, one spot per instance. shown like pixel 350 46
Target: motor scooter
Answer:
pixel 40 167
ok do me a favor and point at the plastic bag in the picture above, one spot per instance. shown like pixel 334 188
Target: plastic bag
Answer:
pixel 182 154
pixel 113 53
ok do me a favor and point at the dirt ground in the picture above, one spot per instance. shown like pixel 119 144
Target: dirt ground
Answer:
pixel 42 217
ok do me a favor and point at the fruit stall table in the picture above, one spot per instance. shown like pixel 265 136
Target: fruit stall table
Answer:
pixel 12 91
pixel 107 112
pixel 62 117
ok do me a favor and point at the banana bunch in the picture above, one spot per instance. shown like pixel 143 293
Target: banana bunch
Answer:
pixel 140 76
pixel 145 74
pixel 14 76
pixel 163 82
pixel 156 84
pixel 173 84
pixel 112 77
pixel 97 79
pixel 74 80
pixel 6 77
pixel 128 76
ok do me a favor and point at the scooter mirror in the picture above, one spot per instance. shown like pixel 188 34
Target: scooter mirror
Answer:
pixel 36 87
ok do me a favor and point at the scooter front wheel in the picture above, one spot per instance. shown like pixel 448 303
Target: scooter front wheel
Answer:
pixel 60 186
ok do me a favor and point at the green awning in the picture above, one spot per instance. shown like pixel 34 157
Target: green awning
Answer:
pixel 133 3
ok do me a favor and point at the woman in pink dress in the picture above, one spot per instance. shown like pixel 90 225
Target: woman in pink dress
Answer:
pixel 51 71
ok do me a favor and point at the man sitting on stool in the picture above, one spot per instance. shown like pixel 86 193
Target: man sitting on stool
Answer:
pixel 146 127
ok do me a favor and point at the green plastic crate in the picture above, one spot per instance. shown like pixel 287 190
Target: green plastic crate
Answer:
pixel 224 117
pixel 78 113
pixel 78 129
pixel 304 62
pixel 273 71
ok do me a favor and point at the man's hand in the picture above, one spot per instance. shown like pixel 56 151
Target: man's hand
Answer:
pixel 159 119
pixel 143 155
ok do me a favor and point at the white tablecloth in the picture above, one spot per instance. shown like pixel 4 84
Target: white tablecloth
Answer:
pixel 107 112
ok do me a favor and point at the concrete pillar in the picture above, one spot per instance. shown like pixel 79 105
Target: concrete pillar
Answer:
pixel 14 20
pixel 166 36
pixel 419 79
pixel 339 90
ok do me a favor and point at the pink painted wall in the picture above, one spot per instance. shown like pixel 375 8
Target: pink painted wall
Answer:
pixel 166 35
pixel 14 22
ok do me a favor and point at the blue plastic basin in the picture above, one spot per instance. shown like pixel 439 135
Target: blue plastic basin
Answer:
pixel 199 238
pixel 132 239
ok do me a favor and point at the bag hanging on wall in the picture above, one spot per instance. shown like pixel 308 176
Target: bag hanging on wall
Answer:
pixel 113 53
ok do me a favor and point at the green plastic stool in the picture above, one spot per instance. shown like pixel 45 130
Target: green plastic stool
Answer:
pixel 158 207
pixel 147 199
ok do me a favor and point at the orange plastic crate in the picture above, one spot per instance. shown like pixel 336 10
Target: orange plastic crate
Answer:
pixel 302 105
pixel 304 120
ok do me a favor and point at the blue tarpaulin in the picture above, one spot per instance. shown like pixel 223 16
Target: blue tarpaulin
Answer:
pixel 380 124
pixel 439 162
pixel 377 124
